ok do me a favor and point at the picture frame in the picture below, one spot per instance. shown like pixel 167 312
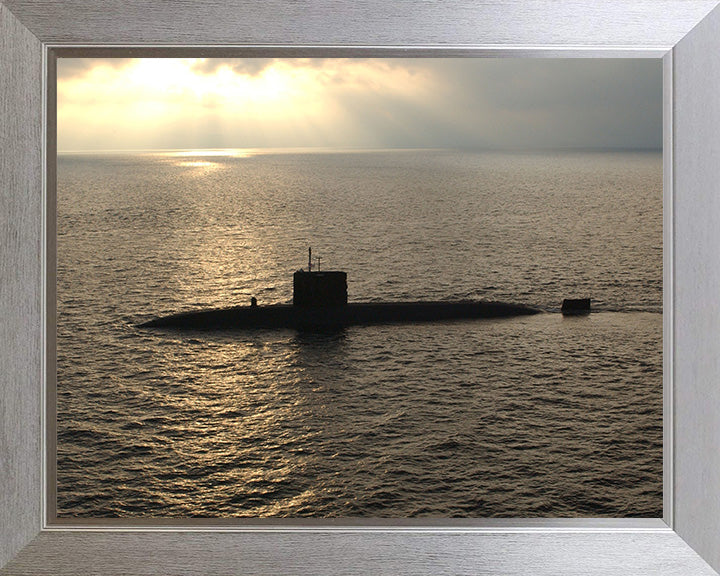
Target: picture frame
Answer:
pixel 684 33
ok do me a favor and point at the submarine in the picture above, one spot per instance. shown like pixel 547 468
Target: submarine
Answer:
pixel 320 302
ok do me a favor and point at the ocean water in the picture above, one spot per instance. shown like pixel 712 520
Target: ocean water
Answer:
pixel 536 416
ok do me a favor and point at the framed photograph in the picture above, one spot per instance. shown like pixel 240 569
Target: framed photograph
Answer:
pixel 436 363
pixel 45 528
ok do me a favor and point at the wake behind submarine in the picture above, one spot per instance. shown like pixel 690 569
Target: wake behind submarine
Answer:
pixel 320 302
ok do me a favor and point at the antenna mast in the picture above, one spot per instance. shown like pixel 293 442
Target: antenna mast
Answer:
pixel 309 259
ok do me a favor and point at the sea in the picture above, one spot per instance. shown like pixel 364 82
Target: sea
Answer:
pixel 534 416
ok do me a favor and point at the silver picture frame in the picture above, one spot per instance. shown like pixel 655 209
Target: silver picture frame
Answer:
pixel 684 33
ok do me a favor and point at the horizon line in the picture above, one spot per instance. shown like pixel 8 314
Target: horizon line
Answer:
pixel 343 149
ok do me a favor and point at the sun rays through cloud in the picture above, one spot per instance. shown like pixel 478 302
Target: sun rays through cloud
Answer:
pixel 131 104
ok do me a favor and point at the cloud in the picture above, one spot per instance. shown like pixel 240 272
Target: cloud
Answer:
pixel 256 66
pixel 70 68
pixel 555 102
pixel 243 66
pixel 273 102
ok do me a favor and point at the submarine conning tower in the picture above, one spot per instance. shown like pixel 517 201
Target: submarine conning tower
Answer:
pixel 315 289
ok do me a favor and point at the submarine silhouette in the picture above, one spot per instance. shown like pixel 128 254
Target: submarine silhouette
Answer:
pixel 320 303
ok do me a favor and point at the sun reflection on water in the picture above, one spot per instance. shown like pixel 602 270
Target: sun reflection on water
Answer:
pixel 221 152
pixel 258 393
pixel 198 164
pixel 206 159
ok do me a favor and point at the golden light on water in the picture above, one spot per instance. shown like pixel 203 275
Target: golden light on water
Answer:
pixel 198 164
pixel 224 153
pixel 207 159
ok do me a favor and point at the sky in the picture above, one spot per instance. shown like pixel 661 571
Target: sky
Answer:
pixel 469 103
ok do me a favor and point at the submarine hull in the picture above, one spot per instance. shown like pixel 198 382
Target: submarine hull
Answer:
pixel 334 317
